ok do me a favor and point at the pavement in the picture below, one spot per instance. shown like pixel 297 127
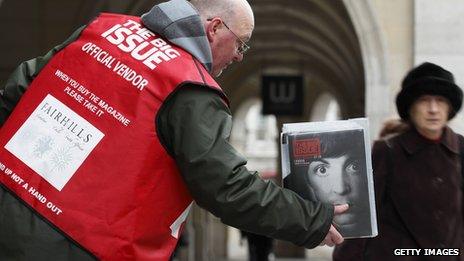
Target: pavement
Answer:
pixel 317 254
pixel 238 252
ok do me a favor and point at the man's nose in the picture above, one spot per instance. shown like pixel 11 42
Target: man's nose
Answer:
pixel 238 57
pixel 342 187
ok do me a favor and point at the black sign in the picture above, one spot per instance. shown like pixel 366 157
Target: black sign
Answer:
pixel 282 95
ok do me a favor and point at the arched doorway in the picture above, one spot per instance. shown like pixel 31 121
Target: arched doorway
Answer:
pixel 325 108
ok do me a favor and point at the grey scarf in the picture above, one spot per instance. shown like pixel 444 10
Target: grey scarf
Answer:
pixel 179 22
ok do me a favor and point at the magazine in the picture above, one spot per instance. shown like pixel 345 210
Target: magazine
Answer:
pixel 330 162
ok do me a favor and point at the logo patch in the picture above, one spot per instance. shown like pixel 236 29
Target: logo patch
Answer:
pixel 54 141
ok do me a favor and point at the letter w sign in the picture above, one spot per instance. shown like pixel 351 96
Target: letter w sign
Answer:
pixel 282 95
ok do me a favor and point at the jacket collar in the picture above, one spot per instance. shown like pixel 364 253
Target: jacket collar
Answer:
pixel 412 141
pixel 180 23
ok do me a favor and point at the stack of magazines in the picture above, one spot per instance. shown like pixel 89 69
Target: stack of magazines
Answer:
pixel 331 162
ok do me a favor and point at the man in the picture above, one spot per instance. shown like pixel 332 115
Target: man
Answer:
pixel 120 127
pixel 418 175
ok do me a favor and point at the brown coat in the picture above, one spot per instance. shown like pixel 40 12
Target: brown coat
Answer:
pixel 418 197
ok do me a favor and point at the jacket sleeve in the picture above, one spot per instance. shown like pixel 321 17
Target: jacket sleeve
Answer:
pixel 22 77
pixel 196 125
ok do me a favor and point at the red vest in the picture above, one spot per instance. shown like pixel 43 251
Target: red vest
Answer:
pixel 81 147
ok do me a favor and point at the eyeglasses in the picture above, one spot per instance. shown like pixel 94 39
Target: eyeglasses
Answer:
pixel 243 48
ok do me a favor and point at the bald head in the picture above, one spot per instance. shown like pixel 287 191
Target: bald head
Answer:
pixel 228 25
pixel 229 10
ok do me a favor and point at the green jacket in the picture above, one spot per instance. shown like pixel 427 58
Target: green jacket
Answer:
pixel 194 125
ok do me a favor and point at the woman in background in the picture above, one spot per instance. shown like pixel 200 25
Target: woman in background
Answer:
pixel 417 174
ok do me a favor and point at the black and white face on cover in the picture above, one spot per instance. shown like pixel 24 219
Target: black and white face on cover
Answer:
pixel 338 180
pixel 330 167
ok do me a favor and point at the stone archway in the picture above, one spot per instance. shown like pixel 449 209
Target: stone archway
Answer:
pixel 307 44
pixel 310 37
pixel 374 59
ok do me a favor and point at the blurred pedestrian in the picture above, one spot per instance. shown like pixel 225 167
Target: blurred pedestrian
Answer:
pixel 417 173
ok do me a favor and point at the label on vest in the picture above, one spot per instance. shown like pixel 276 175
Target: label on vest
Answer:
pixel 54 141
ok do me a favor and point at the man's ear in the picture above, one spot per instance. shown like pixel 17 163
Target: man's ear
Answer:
pixel 212 28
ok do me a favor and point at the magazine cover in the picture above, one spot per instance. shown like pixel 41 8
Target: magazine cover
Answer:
pixel 330 162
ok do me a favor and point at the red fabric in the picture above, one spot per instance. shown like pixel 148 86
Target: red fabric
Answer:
pixel 121 201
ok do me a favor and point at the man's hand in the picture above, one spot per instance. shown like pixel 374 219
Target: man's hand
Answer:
pixel 333 237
